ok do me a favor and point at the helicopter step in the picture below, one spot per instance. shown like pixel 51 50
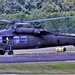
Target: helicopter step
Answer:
pixel 2 51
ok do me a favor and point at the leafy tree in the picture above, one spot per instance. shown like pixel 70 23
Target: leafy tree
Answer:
pixel 38 9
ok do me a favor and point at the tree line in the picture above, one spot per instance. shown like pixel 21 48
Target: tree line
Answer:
pixel 22 10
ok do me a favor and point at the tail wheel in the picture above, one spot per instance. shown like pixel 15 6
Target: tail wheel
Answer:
pixel 64 49
pixel 2 52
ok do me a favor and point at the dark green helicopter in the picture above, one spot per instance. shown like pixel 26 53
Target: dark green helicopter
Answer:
pixel 28 38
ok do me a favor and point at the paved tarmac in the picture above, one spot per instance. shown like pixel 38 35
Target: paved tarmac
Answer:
pixel 37 58
pixel 39 55
pixel 44 50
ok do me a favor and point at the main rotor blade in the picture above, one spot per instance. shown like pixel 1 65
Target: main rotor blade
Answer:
pixel 4 21
pixel 48 19
pixel 19 23
pixel 8 22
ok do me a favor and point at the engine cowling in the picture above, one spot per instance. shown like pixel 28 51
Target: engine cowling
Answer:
pixel 28 31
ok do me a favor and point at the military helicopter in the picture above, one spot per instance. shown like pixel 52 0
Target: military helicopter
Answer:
pixel 28 38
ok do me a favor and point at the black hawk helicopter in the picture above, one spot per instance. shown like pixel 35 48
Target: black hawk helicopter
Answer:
pixel 28 38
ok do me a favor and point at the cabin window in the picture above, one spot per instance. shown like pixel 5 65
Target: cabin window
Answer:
pixel 23 39
pixel 16 39
pixel 0 39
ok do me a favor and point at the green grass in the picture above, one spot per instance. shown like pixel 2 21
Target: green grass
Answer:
pixel 39 68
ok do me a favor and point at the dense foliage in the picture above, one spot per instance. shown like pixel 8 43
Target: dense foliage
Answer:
pixel 37 9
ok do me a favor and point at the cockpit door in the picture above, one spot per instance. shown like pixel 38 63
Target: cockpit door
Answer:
pixel 0 39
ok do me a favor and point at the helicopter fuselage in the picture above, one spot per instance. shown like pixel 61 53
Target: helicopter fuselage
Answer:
pixel 49 40
pixel 24 41
pixel 34 38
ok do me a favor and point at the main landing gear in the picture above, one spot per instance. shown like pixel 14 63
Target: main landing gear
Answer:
pixel 3 51
pixel 10 51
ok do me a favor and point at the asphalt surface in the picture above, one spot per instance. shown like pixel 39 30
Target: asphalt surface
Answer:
pixel 44 50
pixel 37 58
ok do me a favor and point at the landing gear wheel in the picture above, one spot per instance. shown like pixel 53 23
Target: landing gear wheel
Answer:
pixel 2 52
pixel 10 52
pixel 64 49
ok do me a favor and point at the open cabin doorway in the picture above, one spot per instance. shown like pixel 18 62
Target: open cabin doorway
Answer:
pixel 5 39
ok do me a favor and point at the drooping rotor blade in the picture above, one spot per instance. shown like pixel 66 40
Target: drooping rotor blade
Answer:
pixel 48 19
pixel 8 22
pixel 19 23
pixel 4 21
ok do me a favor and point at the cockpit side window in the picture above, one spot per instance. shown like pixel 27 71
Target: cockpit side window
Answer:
pixel 0 39
pixel 16 39
pixel 23 39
